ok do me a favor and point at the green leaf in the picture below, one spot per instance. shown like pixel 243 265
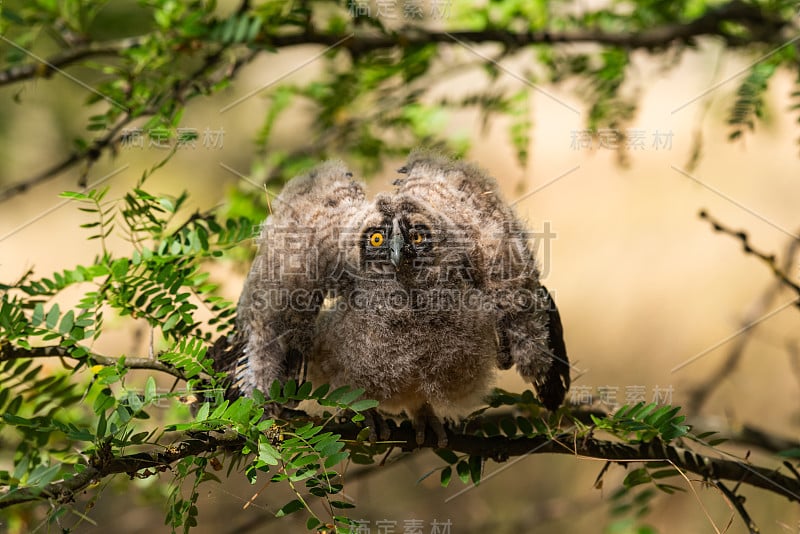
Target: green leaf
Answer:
pixel 669 488
pixel 321 391
pixel 149 390
pixel 524 425
pixel 364 404
pixel 52 317
pixel 475 465
pixel 447 455
pixel 636 477
pixel 509 426
pixel 290 507
pixel 38 314
pixel 67 321
pixel 363 434
pixel 275 390
pixel 290 389
pixel 119 268
pixel 462 468
pixel 101 425
pixel 303 391
pixel 447 473
pixel 268 454
pixel 255 27
pixel 202 413
pixel 73 195
pixel 171 321
pixel 337 394
pixel 334 459
pixel 303 461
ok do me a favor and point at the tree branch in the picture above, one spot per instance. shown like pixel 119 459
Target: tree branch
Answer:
pixel 700 393
pixel 498 448
pixel 180 93
pixel 738 504
pixel 11 352
pixel 711 23
pixel 743 435
pixel 100 466
pixel 46 68
pixel 90 155
pixel 766 28
pixel 748 249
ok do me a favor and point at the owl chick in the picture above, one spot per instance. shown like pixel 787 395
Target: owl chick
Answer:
pixel 417 296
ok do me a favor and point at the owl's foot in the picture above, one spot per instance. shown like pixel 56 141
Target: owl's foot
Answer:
pixel 378 427
pixel 425 419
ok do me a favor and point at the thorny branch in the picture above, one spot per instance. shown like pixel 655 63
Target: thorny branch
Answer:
pixel 498 448
pixel 744 435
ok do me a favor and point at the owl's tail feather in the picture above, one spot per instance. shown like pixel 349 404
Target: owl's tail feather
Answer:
pixel 555 384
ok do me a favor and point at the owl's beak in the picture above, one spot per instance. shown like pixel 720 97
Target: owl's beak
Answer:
pixel 396 250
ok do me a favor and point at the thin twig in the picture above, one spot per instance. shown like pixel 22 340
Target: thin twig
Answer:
pixel 738 505
pixel 68 57
pixel 748 249
pixel 701 392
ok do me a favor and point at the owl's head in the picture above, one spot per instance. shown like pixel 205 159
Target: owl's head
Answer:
pixel 405 239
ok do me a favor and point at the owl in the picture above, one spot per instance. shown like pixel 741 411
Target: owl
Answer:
pixel 418 296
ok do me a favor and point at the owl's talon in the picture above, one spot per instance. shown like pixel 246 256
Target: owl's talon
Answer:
pixel 425 419
pixel 441 433
pixel 420 436
pixel 378 429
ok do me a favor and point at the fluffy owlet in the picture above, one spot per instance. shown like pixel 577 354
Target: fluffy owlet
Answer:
pixel 417 296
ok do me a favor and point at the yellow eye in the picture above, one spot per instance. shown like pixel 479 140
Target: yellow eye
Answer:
pixel 417 239
pixel 376 239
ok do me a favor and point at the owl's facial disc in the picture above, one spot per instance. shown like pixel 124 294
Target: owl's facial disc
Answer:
pixel 395 245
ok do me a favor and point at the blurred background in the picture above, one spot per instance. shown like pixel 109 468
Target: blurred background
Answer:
pixel 652 299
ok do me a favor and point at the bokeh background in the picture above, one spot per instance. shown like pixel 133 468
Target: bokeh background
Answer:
pixel 643 284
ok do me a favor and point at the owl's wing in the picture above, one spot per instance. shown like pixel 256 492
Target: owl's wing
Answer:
pixel 292 271
pixel 528 323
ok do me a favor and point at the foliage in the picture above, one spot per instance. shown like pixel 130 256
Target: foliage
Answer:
pixel 376 95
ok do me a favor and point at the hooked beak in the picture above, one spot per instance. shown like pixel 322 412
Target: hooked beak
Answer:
pixel 396 250
pixel 396 245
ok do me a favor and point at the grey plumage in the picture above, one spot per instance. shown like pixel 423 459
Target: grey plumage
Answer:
pixel 417 296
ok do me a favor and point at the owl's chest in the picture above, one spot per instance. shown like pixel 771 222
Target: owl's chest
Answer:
pixel 399 353
pixel 423 335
